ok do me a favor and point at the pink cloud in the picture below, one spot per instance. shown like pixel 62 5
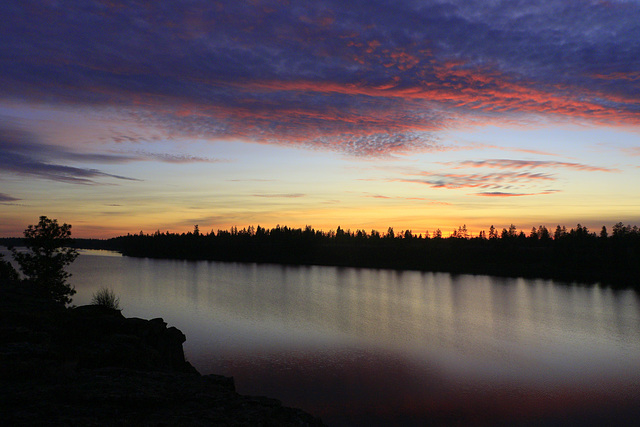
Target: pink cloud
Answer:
pixel 633 151
pixel 527 164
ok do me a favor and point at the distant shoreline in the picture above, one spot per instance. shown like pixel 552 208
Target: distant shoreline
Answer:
pixel 570 256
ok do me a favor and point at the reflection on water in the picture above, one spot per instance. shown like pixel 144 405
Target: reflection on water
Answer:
pixel 358 345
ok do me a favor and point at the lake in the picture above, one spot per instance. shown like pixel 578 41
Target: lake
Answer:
pixel 381 347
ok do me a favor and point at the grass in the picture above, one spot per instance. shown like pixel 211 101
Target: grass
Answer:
pixel 106 298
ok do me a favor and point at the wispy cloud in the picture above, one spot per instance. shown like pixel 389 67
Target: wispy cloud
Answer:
pixel 418 199
pixel 281 195
pixel 504 194
pixel 251 180
pixel 477 146
pixel 4 198
pixel 489 180
pixel 172 158
pixel 632 151
pixel 513 175
pixel 526 164
pixel 21 153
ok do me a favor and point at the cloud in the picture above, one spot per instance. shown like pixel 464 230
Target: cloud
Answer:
pixel 364 78
pixel 496 180
pixel 22 153
pixel 420 199
pixel 527 164
pixel 281 195
pixel 503 194
pixel 6 198
pixel 251 180
pixel 477 146
pixel 172 158
pixel 632 151
pixel 514 174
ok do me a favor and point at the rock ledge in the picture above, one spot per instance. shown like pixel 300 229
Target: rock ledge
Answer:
pixel 91 366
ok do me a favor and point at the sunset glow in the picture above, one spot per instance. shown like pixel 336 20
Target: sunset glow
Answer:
pixel 120 116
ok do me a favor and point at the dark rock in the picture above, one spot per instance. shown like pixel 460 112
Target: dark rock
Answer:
pixel 91 366
pixel 107 339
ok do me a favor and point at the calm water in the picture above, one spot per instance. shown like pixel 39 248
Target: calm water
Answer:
pixel 362 347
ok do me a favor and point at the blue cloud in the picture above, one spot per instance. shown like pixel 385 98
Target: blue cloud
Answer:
pixel 21 153
pixel 273 71
pixel 4 198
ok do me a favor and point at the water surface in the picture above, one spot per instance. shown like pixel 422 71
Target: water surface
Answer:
pixel 363 346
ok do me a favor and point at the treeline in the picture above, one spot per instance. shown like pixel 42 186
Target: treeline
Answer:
pixel 575 254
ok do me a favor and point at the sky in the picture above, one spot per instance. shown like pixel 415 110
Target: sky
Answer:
pixel 127 116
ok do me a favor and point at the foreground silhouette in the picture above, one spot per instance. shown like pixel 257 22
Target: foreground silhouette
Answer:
pixel 90 365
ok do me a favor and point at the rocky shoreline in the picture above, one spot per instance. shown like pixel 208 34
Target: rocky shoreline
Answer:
pixel 91 366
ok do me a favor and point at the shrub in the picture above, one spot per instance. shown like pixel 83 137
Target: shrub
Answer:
pixel 106 298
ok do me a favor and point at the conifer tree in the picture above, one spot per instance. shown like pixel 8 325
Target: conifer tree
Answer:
pixel 46 258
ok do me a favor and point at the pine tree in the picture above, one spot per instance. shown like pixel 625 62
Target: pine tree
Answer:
pixel 47 256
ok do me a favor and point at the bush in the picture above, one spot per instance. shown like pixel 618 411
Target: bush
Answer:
pixel 106 298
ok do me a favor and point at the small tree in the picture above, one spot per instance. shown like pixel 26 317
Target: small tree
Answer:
pixel 48 254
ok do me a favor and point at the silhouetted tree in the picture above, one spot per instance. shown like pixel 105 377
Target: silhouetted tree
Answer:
pixel 560 232
pixel 619 229
pixel 543 233
pixel 603 232
pixel 8 274
pixel 461 233
pixel 47 256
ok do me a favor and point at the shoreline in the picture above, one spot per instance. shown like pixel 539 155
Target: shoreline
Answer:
pixel 576 256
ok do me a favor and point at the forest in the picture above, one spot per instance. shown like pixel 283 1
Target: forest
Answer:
pixel 573 255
